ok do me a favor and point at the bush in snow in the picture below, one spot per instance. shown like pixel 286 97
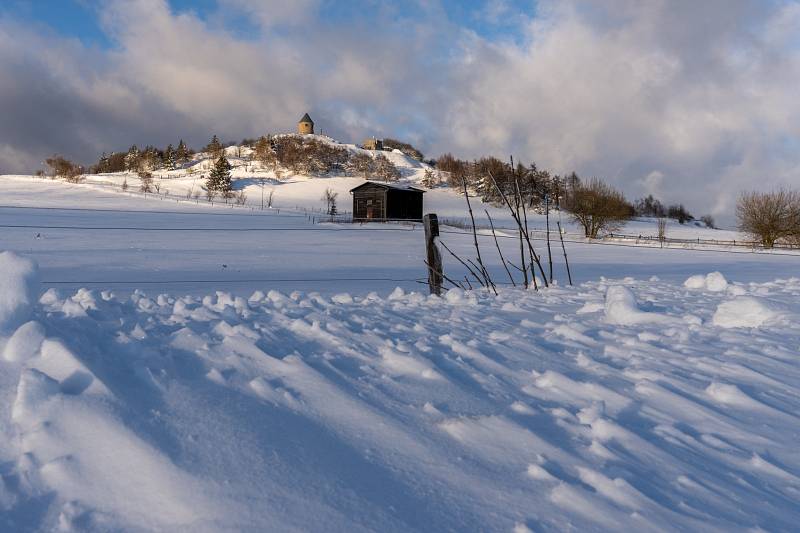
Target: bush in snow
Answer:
pixel 361 164
pixel 306 155
pixel 679 213
pixel 385 169
pixel 146 182
pixel 64 168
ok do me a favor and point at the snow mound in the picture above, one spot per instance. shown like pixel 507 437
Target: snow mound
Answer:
pixel 714 282
pixel 621 309
pixel 19 287
pixel 745 312
pixel 24 343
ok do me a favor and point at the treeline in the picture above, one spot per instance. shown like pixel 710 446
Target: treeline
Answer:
pixel 146 160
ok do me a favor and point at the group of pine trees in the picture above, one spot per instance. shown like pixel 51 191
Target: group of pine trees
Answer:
pixel 147 160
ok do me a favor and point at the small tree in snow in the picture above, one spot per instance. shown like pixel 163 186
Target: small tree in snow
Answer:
pixel 430 179
pixel 214 148
pixel 329 197
pixel 662 229
pixel 219 179
pixel 145 182
pixel 169 158
pixel 182 153
pixel 132 159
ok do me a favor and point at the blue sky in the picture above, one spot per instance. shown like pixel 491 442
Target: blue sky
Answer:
pixel 79 18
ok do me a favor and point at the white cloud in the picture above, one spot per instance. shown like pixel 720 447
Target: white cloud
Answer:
pixel 694 101
pixel 701 93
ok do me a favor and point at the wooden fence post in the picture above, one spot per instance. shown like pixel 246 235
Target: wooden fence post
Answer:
pixel 434 258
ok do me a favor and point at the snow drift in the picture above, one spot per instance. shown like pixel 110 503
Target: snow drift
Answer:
pixel 469 412
pixel 713 282
pixel 746 312
pixel 19 285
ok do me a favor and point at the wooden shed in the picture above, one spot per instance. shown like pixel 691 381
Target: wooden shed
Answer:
pixel 378 200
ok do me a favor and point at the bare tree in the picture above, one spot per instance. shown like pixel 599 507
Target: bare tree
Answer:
pixel 769 217
pixel 662 230
pixel 329 197
pixel 598 207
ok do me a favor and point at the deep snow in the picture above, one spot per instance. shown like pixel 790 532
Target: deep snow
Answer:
pixel 552 411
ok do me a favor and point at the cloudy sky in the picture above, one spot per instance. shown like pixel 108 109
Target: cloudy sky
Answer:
pixel 690 100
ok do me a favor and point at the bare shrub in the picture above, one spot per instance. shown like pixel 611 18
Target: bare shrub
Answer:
pixel 769 217
pixel 708 220
pixel 662 229
pixel 361 164
pixel 145 182
pixel 385 170
pixel 64 168
pixel 306 155
pixel 240 197
pixel 679 213
pixel 455 169
pixel 598 207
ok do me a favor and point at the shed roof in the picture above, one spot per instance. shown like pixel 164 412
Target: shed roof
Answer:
pixel 306 118
pixel 386 185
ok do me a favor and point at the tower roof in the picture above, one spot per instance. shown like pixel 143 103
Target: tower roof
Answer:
pixel 306 118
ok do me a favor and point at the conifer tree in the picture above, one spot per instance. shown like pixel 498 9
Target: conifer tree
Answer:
pixel 214 148
pixel 220 177
pixel 132 159
pixel 182 153
pixel 169 158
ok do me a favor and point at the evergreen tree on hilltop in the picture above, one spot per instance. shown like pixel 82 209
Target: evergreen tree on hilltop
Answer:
pixel 220 178
pixel 182 153
pixel 214 148
pixel 132 159
pixel 169 158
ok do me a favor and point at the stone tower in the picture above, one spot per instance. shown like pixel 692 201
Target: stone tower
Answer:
pixel 306 125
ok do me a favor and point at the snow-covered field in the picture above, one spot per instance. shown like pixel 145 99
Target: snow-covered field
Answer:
pixel 175 366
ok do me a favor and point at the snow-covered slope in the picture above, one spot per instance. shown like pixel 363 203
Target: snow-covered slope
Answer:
pixel 626 405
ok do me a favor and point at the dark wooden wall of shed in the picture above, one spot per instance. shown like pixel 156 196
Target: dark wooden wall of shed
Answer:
pixel 369 203
pixel 404 205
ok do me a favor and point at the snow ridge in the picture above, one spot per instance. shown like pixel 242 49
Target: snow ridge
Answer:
pixel 301 412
